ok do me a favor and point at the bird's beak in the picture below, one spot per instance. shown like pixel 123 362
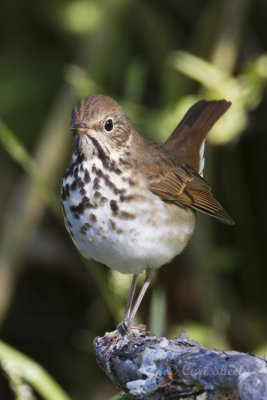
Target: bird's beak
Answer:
pixel 80 129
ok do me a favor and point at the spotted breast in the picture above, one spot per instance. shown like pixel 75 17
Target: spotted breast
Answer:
pixel 118 221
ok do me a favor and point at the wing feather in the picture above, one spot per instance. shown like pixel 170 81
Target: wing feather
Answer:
pixel 183 186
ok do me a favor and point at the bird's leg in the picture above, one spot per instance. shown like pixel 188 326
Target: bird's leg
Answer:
pixel 149 277
pixel 122 328
pixel 130 298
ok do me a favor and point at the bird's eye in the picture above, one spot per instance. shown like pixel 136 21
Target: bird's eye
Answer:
pixel 109 125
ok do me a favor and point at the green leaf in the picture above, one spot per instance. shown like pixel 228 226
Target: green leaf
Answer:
pixel 31 372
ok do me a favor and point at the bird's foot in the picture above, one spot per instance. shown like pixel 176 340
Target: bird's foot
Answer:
pixel 111 341
pixel 127 327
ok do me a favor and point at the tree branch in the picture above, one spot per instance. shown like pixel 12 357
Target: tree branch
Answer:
pixel 148 367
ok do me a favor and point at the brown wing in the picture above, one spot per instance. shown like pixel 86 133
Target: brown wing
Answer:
pixel 183 186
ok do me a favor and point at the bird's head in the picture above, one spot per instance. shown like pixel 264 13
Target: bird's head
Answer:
pixel 99 122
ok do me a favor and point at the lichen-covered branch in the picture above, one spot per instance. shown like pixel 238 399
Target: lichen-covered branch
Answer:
pixel 148 367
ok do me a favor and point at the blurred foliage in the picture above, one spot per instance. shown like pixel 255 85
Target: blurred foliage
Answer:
pixel 19 154
pixel 23 372
pixel 156 59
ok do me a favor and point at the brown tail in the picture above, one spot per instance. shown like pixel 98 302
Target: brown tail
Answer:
pixel 186 140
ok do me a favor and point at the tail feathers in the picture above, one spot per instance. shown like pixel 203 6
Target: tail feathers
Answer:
pixel 185 143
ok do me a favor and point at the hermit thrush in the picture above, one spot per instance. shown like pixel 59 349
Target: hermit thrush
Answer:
pixel 128 202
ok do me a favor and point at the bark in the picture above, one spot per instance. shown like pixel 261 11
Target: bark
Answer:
pixel 148 367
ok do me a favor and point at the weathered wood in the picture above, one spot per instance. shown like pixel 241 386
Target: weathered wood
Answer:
pixel 148 367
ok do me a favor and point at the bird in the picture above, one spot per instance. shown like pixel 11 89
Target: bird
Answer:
pixel 130 203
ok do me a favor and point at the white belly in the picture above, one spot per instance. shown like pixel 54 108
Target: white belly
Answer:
pixel 128 236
